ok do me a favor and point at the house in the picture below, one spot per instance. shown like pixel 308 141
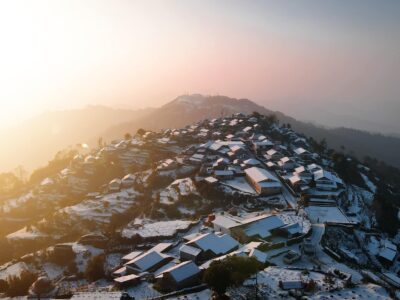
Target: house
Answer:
pixel 313 168
pixel 213 245
pixel 260 146
pixel 238 150
pixel 286 163
pixel 196 159
pixel 271 165
pixel 127 280
pixel 303 173
pixel 167 165
pixel 296 182
pixel 325 180
pixel 251 162
pixel 263 181
pixel 211 180
pixel 387 253
pixel 181 276
pixel 147 262
pixel 302 153
pixel 253 120
pixel 114 185
pixel 128 181
pixel 223 174
pixel 220 163
pixel 261 226
pixel 273 155
pixel 187 252
pixel 225 222
pixel 131 256
pixel 259 255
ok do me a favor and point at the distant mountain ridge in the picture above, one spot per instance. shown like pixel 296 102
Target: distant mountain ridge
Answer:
pixel 36 141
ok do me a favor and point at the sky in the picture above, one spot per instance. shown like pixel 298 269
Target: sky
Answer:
pixel 315 59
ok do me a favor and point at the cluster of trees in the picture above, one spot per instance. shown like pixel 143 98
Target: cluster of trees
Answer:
pixel 10 183
pixel 16 286
pixel 59 162
pixel 95 268
pixel 386 212
pixel 232 271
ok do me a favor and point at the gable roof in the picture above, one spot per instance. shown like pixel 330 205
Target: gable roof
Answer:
pixel 260 175
pixel 190 250
pixel 218 244
pixel 182 271
pixel 147 260
pixel 264 226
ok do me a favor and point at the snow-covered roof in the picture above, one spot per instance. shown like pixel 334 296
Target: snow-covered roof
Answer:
pixel 271 152
pixel 147 260
pixel 190 250
pixel 260 256
pixel 263 143
pixel 182 271
pixel 211 179
pixel 300 151
pixel 126 278
pixel 226 221
pixel 323 174
pixel 218 244
pixel 131 255
pixel 260 175
pixel 252 162
pixel 263 227
pixel 223 173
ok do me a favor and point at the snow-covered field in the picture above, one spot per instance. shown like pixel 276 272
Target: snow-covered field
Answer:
pixel 100 210
pixel 148 229
pixel 321 214
pixel 180 187
pixel 10 204
pixel 13 269
pixel 268 281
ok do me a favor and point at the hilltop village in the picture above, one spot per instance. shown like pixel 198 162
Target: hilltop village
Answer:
pixel 148 216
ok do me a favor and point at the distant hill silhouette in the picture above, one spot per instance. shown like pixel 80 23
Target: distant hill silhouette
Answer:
pixel 34 142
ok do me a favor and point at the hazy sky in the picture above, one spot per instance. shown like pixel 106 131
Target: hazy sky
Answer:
pixel 283 54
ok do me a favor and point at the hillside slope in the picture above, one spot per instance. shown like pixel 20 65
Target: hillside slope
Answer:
pixel 36 141
pixel 188 109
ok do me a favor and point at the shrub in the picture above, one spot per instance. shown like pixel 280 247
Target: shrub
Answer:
pixel 95 268
pixel 3 286
pixel 19 285
pixel 231 271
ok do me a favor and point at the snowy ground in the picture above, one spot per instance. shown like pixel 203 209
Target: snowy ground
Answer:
pixel 322 214
pixel 268 283
pixel 10 204
pixel 25 234
pixel 143 291
pixel 369 183
pixel 180 187
pixel 147 229
pixel 101 210
pixel 203 295
pixel 13 269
